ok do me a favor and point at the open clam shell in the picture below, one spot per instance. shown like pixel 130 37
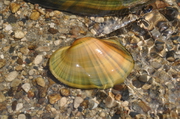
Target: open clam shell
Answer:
pixel 91 63
pixel 89 7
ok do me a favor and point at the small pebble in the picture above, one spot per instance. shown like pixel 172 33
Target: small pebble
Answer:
pixel 24 50
pixel 62 101
pixel 15 83
pixel 57 42
pixel 2 97
pixel 21 116
pixel 52 30
pixel 11 76
pixel 65 92
pixel 102 114
pixel 2 63
pixel 38 59
pixel 35 15
pixel 43 49
pixel 19 106
pixel 53 98
pixel 40 81
pixel 26 87
pixel 77 102
pixel 14 7
pixel 19 34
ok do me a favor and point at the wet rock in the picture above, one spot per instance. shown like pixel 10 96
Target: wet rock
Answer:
pixel 40 81
pixel 11 76
pixel 14 7
pixel 2 63
pixel 77 102
pixel 65 92
pixel 35 15
pixel 53 98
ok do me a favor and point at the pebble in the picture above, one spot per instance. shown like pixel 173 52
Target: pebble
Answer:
pixel 93 103
pixel 2 63
pixel 35 15
pixel 2 97
pixel 15 83
pixel 102 114
pixel 19 106
pixel 53 98
pixel 21 116
pixel 62 101
pixel 110 102
pixel 14 7
pixel 43 49
pixel 19 34
pixel 57 42
pixel 38 59
pixel 65 92
pixel 77 102
pixel 26 87
pixel 11 76
pixel 52 30
pixel 40 81
pixel 24 50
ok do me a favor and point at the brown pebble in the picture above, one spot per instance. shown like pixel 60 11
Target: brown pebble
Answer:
pixel 2 63
pixel 14 103
pixel 14 7
pixel 35 15
pixel 19 61
pixel 19 68
pixel 52 30
pixel 2 106
pixel 2 36
pixel 65 92
pixel 53 98
pixel 30 94
pixel 85 104
pixel 32 47
pixel 118 97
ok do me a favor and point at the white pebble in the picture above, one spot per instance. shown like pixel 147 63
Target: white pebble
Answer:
pixel 8 27
pixel 38 59
pixel 19 34
pixel 57 42
pixel 21 116
pixel 77 102
pixel 11 76
pixel 26 87
pixel 62 101
pixel 19 106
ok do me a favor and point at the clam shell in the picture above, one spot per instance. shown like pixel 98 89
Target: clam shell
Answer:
pixel 89 7
pixel 91 63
